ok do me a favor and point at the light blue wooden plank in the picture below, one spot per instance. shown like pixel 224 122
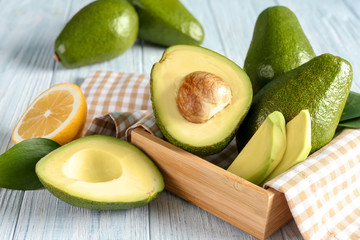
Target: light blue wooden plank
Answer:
pixel 331 28
pixel 290 231
pixel 45 217
pixel 353 7
pixel 24 72
pixel 10 201
pixel 25 65
pixel 235 22
pixel 177 219
pixel 202 11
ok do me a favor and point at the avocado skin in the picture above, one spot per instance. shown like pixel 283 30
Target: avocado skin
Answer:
pixel 17 165
pixel 200 151
pixel 90 204
pixel 167 22
pixel 100 31
pixel 204 150
pixel 278 45
pixel 320 85
pixel 85 203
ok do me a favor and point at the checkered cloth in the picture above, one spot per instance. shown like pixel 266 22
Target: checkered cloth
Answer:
pixel 119 102
pixel 323 192
pixel 120 98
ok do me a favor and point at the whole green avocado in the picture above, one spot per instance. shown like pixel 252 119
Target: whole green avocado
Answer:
pixel 278 45
pixel 167 22
pixel 321 85
pixel 100 31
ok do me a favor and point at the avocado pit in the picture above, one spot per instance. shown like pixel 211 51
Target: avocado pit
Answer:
pixel 202 95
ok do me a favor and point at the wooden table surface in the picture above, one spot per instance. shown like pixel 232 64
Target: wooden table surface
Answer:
pixel 28 29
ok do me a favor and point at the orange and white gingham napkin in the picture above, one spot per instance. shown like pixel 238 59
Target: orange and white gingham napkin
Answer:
pixel 323 192
pixel 119 102
pixel 120 98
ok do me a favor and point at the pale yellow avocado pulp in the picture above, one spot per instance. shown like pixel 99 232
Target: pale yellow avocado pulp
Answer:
pixel 298 147
pixel 166 77
pixel 264 150
pixel 100 172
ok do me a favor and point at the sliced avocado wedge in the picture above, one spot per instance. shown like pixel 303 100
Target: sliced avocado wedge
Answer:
pixel 203 73
pixel 298 143
pixel 263 152
pixel 17 165
pixel 100 172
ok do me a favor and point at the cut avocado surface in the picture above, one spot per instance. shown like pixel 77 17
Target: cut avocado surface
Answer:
pixel 168 75
pixel 298 143
pixel 100 172
pixel 17 165
pixel 263 152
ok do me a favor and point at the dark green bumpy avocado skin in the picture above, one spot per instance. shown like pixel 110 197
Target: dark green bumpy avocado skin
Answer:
pixel 85 203
pixel 100 31
pixel 278 45
pixel 167 22
pixel 320 85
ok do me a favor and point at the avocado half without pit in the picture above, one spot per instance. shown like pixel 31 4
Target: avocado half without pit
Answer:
pixel 100 172
pixel 199 98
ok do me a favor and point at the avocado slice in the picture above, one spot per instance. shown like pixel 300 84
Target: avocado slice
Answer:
pixel 263 152
pixel 320 85
pixel 100 31
pixel 167 22
pixel 100 172
pixel 209 69
pixel 278 45
pixel 298 143
pixel 17 165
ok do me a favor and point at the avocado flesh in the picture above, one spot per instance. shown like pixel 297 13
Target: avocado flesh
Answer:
pixel 17 165
pixel 166 76
pixel 298 143
pixel 100 31
pixel 263 152
pixel 320 85
pixel 167 22
pixel 100 172
pixel 278 45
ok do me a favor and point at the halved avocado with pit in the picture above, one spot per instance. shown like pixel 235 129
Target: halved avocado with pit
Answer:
pixel 194 69
pixel 100 172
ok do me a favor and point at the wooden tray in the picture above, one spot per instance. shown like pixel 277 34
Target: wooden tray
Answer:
pixel 257 211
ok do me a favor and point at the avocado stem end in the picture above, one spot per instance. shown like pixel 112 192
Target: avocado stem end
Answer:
pixel 56 57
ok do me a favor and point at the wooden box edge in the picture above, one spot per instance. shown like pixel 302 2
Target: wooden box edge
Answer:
pixel 255 210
